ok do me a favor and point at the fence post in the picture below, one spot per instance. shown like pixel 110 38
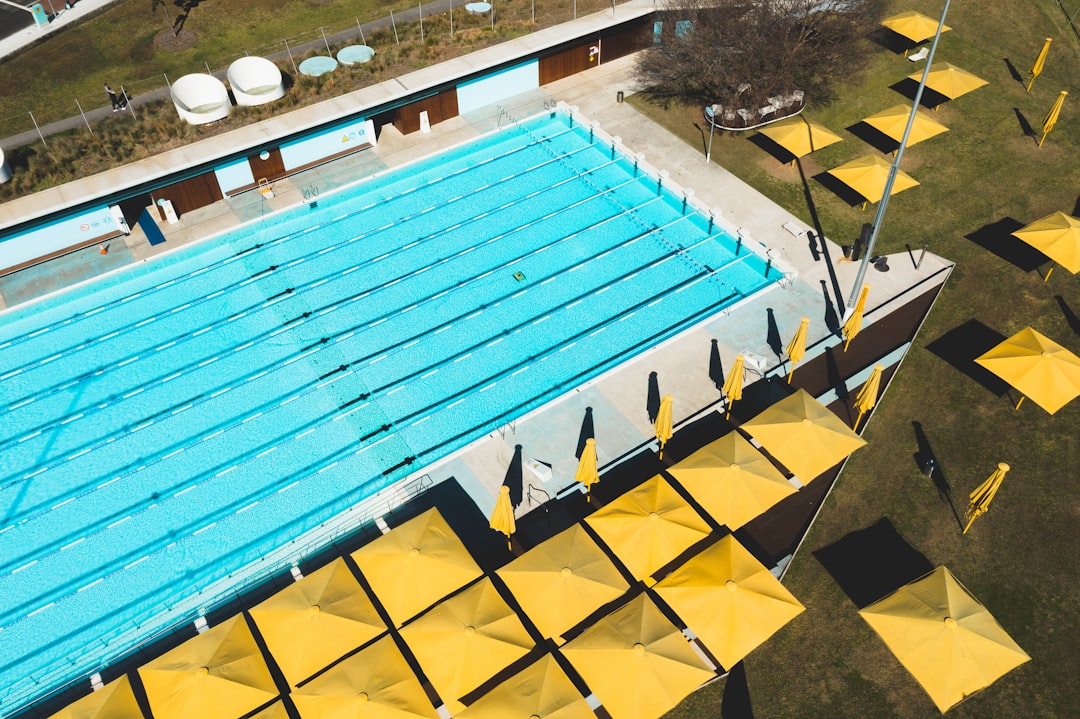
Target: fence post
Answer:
pixel 393 22
pixel 325 42
pixel 420 5
pixel 358 27
pixel 127 101
pixel 289 50
pixel 79 105
pixel 38 130
pixel 452 17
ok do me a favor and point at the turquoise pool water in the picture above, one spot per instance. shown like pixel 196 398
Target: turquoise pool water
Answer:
pixel 167 426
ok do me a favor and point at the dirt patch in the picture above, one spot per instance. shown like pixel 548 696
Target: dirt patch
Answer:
pixel 167 41
pixel 786 172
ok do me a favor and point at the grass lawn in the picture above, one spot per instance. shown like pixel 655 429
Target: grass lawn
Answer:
pixel 1020 558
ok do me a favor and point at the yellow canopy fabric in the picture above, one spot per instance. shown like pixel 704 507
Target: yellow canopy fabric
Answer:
pixel 219 674
pixel 465 640
pixel 541 690
pixel 796 348
pixel 648 526
pixel 664 422
pixel 1057 236
pixel 115 700
pixel 1036 366
pixel 803 435
pixel 867 175
pixel 800 136
pixel 563 580
pixel 374 683
pixel 586 472
pixel 949 80
pixel 942 635
pixel 867 397
pixel 637 662
pixel 893 121
pixel 1052 116
pixel 317 620
pixel 729 599
pixel 734 382
pixel 1040 61
pixel 913 25
pixel 276 710
pixel 502 517
pixel 731 480
pixel 983 495
pixel 854 322
pixel 415 565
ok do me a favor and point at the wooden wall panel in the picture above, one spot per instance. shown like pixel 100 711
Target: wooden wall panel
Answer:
pixel 619 41
pixel 567 62
pixel 272 168
pixel 192 193
pixel 439 107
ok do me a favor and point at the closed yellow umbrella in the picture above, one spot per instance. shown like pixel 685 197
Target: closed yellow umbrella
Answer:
pixel 1052 116
pixel 465 640
pixel 1058 237
pixel 563 580
pixel 867 397
pixel 502 517
pixel 374 683
pixel 941 634
pixel 800 136
pixel 637 662
pixel 1036 366
pixel 803 435
pixel 664 422
pixel 913 25
pixel 540 691
pixel 729 599
pixel 219 674
pixel 893 121
pixel 854 323
pixel 587 472
pixel 949 80
pixel 1040 61
pixel 867 175
pixel 981 497
pixel 797 346
pixel 648 526
pixel 733 383
pixel 731 480
pixel 415 565
pixel 115 700
pixel 316 620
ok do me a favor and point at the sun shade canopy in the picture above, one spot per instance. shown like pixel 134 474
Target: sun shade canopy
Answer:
pixel 867 175
pixel 540 690
pixel 949 80
pixel 115 700
pixel 893 121
pixel 1036 366
pixel 800 136
pixel 1057 236
pixel 913 25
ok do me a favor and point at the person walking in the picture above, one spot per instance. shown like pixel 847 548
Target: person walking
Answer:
pixel 112 97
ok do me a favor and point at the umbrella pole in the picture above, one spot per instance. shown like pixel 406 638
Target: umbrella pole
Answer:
pixel 1020 402
pixel 1049 273
pixel 846 343
pixel 858 419
pixel 791 373
pixel 970 522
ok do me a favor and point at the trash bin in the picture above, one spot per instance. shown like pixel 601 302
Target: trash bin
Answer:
pixel 619 96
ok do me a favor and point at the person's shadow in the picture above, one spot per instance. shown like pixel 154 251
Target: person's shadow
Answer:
pixel 716 365
pixel 928 464
pixel 772 336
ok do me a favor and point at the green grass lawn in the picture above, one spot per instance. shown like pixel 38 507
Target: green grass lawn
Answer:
pixel 1020 558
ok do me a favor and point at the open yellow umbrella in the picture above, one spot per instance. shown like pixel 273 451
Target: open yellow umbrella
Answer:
pixel 1052 116
pixel 913 25
pixel 219 674
pixel 465 640
pixel 664 422
pixel 540 691
pixel 729 599
pixel 563 580
pixel 854 322
pixel 733 383
pixel 648 526
pixel 949 80
pixel 893 122
pixel 415 565
pixel 276 710
pixel 867 175
pixel 1040 61
pixel 803 435
pixel 374 683
pixel 797 346
pixel 867 397
pixel 586 472
pixel 800 136
pixel 502 517
pixel 1036 366
pixel 981 497
pixel 1058 237
pixel 942 635
pixel 731 480
pixel 637 662
pixel 115 700
pixel 316 620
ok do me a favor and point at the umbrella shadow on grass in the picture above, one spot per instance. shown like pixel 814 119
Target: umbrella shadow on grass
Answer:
pixel 770 146
pixel 1025 126
pixel 929 465
pixel 1013 71
pixel 962 344
pixel 874 137
pixel 735 703
pixel 997 238
pixel 1070 316
pixel 930 98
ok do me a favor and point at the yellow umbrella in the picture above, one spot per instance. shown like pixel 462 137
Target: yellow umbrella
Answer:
pixel 1036 366
pixel 276 710
pixel 502 517
pixel 867 175
pixel 465 640
pixel 730 600
pixel 637 662
pixel 1040 61
pixel 540 691
pixel 316 620
pixel 803 435
pixel 984 494
pixel 949 80
pixel 415 565
pixel 733 383
pixel 942 635
pixel 648 526
pixel 1058 237
pixel 218 674
pixel 1052 116
pixel 664 422
pixel 115 700
pixel 375 683
pixel 893 122
pixel 797 347
pixel 586 472
pixel 563 580
pixel 800 136
pixel 854 322
pixel 913 25
pixel 731 480
pixel 867 397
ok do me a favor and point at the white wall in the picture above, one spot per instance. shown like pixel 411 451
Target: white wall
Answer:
pixel 491 89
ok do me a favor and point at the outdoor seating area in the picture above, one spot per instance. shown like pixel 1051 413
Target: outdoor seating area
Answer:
pixel 200 98
pixel 255 81
pixel 777 107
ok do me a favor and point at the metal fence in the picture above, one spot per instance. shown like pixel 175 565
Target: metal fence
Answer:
pixel 1071 10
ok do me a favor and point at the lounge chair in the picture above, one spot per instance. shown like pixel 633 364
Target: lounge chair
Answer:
pixel 920 55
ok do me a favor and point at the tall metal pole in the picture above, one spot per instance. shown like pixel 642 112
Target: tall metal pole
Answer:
pixel 879 216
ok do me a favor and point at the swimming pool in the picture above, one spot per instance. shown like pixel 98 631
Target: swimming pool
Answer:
pixel 168 425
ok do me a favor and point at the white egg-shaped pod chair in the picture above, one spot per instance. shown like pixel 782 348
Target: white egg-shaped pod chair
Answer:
pixel 255 80
pixel 200 98
pixel 5 169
